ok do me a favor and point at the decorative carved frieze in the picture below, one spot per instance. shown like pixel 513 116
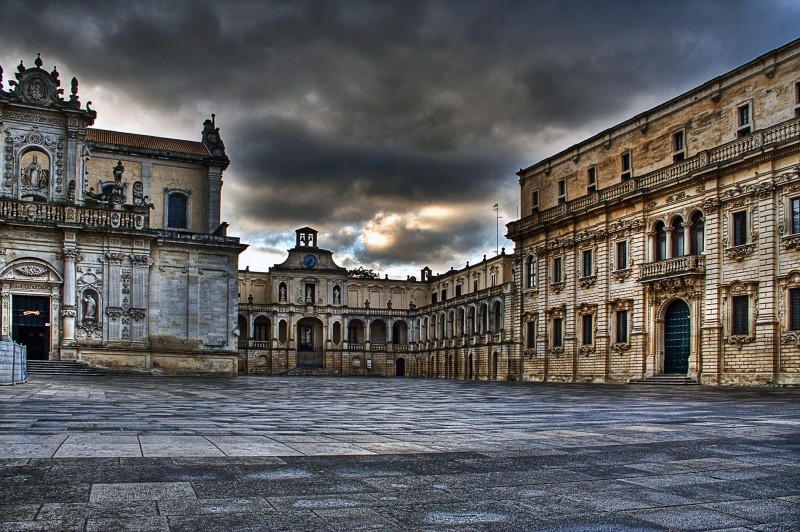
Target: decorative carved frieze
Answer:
pixel 114 312
pixel 587 281
pixel 621 275
pixel 620 348
pixel 739 253
pixel 31 271
pixel 556 288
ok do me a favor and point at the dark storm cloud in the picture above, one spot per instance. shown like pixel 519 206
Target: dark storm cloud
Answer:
pixel 337 113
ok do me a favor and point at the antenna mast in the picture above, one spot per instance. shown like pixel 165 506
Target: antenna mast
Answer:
pixel 497 229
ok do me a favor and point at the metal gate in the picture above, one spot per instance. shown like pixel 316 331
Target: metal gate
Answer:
pixel 677 333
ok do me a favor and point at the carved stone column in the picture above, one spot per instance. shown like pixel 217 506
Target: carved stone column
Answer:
pixel 68 307
pixel 5 295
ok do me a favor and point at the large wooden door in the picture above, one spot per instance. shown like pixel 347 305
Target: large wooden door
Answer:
pixel 677 333
pixel 31 324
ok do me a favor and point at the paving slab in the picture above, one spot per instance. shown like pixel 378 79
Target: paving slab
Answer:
pixel 130 453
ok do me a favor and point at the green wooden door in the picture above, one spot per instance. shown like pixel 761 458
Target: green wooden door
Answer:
pixel 677 331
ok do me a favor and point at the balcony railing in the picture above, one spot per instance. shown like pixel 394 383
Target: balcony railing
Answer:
pixel 675 267
pixel 780 133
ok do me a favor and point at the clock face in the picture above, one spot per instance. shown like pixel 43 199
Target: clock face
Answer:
pixel 309 261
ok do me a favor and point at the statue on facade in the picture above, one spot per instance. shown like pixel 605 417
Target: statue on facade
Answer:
pixel 282 293
pixel 32 173
pixel 337 295
pixel 89 307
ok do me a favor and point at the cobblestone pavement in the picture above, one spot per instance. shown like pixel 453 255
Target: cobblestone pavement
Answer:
pixel 257 453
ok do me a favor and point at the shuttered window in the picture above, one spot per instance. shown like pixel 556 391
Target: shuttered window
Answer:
pixel 558 332
pixel 587 329
pixel 794 309
pixel 740 315
pixel 622 327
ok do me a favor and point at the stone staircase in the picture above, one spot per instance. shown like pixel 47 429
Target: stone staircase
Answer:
pixel 310 372
pixel 666 380
pixel 61 367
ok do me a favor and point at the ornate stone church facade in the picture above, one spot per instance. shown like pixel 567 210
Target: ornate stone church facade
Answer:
pixel 668 244
pixel 111 247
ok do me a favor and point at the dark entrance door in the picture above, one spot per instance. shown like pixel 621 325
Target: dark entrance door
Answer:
pixel 400 367
pixel 308 356
pixel 677 329
pixel 31 324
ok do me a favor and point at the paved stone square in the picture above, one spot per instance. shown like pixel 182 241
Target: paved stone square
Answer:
pixel 260 453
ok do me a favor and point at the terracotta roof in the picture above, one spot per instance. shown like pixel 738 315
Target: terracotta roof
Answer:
pixel 146 142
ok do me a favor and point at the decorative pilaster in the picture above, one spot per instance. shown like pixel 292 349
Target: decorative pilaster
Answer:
pixel 69 308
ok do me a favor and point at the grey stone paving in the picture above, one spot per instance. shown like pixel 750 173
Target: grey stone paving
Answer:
pixel 256 453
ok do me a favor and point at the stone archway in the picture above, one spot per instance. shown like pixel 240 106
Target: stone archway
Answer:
pixel 31 307
pixel 400 367
pixel 310 341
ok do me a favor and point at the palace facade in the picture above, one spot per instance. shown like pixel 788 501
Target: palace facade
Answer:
pixel 668 244
pixel 111 247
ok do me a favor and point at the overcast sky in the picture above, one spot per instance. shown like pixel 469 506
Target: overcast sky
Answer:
pixel 391 127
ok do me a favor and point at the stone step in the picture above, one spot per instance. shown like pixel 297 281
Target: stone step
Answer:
pixel 310 372
pixel 666 380
pixel 60 367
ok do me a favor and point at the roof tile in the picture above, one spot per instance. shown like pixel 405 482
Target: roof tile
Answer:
pixel 133 140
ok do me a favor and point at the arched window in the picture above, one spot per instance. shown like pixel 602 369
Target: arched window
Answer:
pixel 337 333
pixel 678 240
pixel 698 233
pixel 177 211
pixel 660 251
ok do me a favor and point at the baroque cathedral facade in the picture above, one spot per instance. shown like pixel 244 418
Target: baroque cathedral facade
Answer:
pixel 111 247
pixel 668 244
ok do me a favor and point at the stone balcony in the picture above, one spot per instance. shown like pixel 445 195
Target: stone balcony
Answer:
pixel 675 267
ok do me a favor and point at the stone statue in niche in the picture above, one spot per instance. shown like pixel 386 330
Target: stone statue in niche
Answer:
pixel 282 293
pixel 89 307
pixel 337 295
pixel 34 176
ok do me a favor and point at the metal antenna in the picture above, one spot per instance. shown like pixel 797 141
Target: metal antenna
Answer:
pixel 497 230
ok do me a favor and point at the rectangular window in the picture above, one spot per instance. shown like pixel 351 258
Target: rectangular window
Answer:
pixel 587 269
pixel 678 147
pixel 625 165
pixel 557 270
pixel 530 273
pixel 475 285
pixel 622 255
pixel 797 99
pixel 458 290
pixel 587 329
pixel 622 326
pixel 434 298
pixel 444 295
pixel 740 228
pixel 794 309
pixel 795 205
pixel 558 332
pixel 260 332
pixel 741 315
pixel 535 201
pixel 591 180
pixel 562 191
pixel 531 338
pixel 743 120
pixel 494 279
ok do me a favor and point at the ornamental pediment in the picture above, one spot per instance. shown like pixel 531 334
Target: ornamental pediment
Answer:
pixel 30 270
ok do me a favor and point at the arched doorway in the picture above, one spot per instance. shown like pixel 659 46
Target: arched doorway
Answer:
pixel 309 343
pixel 400 367
pixel 677 334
